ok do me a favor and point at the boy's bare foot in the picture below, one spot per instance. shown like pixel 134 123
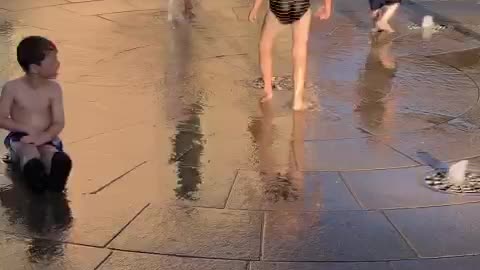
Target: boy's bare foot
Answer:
pixel 266 97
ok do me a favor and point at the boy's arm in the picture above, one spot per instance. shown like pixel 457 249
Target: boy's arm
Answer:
pixel 6 102
pixel 58 118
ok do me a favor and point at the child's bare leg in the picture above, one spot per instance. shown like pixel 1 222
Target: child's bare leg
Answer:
pixel 32 168
pixel 58 166
pixel 301 30
pixel 383 22
pixel 188 8
pixel 271 27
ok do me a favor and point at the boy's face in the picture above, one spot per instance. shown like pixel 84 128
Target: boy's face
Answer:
pixel 49 67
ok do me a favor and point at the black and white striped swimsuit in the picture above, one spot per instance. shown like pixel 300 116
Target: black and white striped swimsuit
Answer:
pixel 289 11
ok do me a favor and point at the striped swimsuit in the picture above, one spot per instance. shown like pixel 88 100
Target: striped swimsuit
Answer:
pixel 289 11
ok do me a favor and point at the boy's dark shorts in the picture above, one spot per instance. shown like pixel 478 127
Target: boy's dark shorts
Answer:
pixel 17 136
pixel 377 4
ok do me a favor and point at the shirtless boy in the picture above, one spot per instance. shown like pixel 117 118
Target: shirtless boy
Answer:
pixel 287 12
pixel 31 108
pixel 382 12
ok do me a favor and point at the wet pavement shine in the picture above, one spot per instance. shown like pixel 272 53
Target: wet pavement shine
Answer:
pixel 176 166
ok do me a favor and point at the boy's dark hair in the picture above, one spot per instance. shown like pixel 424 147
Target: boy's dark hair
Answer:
pixel 32 50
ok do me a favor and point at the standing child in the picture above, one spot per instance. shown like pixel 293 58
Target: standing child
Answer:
pixel 31 108
pixel 382 12
pixel 287 12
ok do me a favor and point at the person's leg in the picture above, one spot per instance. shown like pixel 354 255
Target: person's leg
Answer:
pixel 271 27
pixel 188 9
pixel 58 166
pixel 301 30
pixel 33 170
pixel 376 12
pixel 383 22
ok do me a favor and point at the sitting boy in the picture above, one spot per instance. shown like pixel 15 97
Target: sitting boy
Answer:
pixel 31 108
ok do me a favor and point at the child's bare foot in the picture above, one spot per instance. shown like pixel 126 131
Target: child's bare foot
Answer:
pixel 384 26
pixel 266 97
pixel 299 106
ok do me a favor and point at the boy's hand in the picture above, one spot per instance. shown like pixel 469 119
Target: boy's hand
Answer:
pixel 42 139
pixel 252 17
pixel 37 140
pixel 29 139
pixel 323 13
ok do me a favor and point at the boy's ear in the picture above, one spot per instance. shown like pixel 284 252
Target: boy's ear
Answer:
pixel 33 68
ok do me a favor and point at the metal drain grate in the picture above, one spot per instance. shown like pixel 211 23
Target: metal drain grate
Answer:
pixel 439 181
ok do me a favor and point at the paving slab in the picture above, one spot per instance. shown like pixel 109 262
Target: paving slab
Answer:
pixel 191 232
pixel 332 236
pixel 315 191
pixel 319 266
pixel 398 188
pixel 439 231
pixel 126 260
pixel 459 263
pixel 87 220
pixel 349 155
pixel 19 254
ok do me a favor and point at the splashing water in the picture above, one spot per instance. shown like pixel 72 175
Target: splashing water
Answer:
pixel 456 173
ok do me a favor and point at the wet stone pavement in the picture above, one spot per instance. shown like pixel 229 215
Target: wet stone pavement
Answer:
pixel 177 167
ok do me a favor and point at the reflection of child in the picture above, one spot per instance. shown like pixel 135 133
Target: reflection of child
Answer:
pixel 174 10
pixel 298 14
pixel 375 85
pixel 31 108
pixel 382 12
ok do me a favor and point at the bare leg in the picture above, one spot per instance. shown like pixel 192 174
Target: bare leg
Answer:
pixel 33 171
pixel 301 30
pixel 188 9
pixel 271 27
pixel 58 166
pixel 24 152
pixel 46 155
pixel 383 22
pixel 375 16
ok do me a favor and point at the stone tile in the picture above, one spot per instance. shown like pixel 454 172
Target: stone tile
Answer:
pixel 20 254
pixel 467 60
pixel 175 184
pixel 194 232
pixel 319 128
pixel 88 220
pixel 93 167
pixel 459 263
pixel 112 6
pixel 316 191
pixel 440 231
pixel 26 4
pixel 319 266
pixel 398 188
pixel 332 236
pixel 124 260
pixel 444 142
pixel 349 154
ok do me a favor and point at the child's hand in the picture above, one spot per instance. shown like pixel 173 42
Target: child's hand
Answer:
pixel 42 139
pixel 29 139
pixel 252 17
pixel 323 13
